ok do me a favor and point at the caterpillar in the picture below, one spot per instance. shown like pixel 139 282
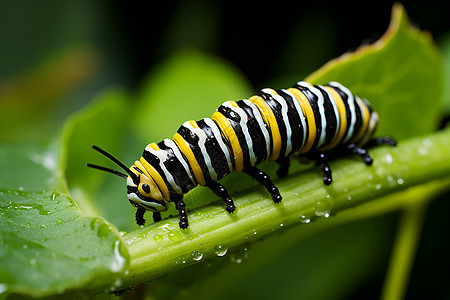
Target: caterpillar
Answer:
pixel 312 121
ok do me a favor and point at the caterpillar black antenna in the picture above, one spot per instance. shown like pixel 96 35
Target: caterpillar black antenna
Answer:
pixel 116 161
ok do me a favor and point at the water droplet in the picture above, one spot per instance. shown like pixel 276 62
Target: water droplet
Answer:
pixel 328 196
pixel 21 188
pixel 175 236
pixel 390 179
pixel 119 260
pixel 349 197
pixel 427 143
pixel 25 246
pixel 197 255
pixel 422 151
pixel 220 250
pixel 378 187
pixel 42 226
pixel 370 176
pixel 158 238
pixel 59 221
pixel 345 190
pixel 388 158
pixel 118 282
pixel 304 219
pixel 255 232
pixel 34 264
pixel 322 209
pixel 400 181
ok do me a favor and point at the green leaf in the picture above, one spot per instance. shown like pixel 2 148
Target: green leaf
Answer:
pixel 401 75
pixel 47 246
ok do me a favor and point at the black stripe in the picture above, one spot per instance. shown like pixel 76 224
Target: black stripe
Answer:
pixel 276 109
pixel 359 120
pixel 348 112
pixel 294 121
pixel 154 161
pixel 192 139
pixel 256 134
pixel 331 127
pixel 234 120
pixel 176 169
pixel 218 158
pixel 227 143
pixel 312 98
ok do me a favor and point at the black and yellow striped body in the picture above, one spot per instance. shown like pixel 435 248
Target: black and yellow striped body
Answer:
pixel 271 125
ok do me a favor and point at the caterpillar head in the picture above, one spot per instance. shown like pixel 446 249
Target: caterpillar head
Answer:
pixel 142 191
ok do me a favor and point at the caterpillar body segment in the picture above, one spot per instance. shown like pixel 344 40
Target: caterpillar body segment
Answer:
pixel 309 120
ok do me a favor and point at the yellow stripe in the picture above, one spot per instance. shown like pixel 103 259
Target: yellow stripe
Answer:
pixel 365 119
pixel 156 177
pixel 187 151
pixel 228 130
pixel 342 115
pixel 154 189
pixel 269 118
pixel 154 146
pixel 309 114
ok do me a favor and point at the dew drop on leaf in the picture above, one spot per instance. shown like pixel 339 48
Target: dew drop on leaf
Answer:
pixel 220 250
pixel 197 255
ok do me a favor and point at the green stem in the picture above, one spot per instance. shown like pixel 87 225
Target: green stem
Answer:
pixel 161 248
pixel 404 251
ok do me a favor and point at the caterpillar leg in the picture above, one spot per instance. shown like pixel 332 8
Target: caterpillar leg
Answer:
pixel 222 192
pixel 322 159
pixel 326 170
pixel 156 217
pixel 140 216
pixel 387 140
pixel 361 152
pixel 181 207
pixel 264 179
pixel 284 163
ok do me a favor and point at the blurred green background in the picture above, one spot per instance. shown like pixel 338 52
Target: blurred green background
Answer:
pixel 55 56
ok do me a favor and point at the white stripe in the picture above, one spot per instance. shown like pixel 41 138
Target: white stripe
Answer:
pixel 320 105
pixel 201 143
pixel 244 126
pixel 171 144
pixel 300 113
pixel 220 141
pixel 336 113
pixel 284 111
pixel 261 124
pixel 163 156
pixel 351 105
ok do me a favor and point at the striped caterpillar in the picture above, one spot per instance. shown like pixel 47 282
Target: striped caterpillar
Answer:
pixel 309 120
